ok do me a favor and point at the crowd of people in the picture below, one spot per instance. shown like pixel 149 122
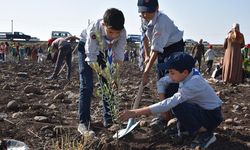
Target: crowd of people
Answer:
pixel 183 92
pixel 18 52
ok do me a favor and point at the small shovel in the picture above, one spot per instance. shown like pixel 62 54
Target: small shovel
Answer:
pixel 131 122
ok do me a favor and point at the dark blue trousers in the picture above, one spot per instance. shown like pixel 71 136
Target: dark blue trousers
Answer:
pixel 64 52
pixel 86 88
pixel 192 117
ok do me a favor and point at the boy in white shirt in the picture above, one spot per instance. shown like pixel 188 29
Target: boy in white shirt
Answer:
pixel 209 58
pixel 195 105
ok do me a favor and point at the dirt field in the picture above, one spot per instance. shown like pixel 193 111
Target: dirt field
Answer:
pixel 40 112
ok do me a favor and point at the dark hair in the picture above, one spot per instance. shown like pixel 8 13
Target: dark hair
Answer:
pixel 181 70
pixel 114 18
pixel 179 61
pixel 147 6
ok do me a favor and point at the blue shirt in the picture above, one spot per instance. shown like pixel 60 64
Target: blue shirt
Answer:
pixel 95 40
pixel 161 32
pixel 194 89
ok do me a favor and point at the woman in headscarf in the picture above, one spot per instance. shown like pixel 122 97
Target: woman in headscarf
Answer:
pixel 232 65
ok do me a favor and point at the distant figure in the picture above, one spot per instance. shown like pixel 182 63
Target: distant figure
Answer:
pixel 64 52
pixel 34 53
pixel 232 65
pixel 209 58
pixel 21 52
pixel 246 60
pixel 198 52
pixel 132 55
pixel 217 73
pixel 28 52
pixel 49 56
pixel 2 51
pixel 126 55
pixel 40 55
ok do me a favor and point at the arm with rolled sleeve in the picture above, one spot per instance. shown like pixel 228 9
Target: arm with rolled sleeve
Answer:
pixel 167 104
pixel 187 91
pixel 160 36
pixel 162 83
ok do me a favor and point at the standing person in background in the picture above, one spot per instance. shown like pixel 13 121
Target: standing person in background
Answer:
pixel 2 51
pixel 17 50
pixel 209 58
pixel 198 52
pixel 232 65
pixel 7 51
pixel 246 60
pixel 21 52
pixel 28 52
pixel 101 36
pixel 162 38
pixel 34 53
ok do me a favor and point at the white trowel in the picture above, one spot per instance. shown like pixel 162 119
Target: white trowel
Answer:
pixel 131 122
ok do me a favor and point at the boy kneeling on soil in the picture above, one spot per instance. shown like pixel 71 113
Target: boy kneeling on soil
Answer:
pixel 195 105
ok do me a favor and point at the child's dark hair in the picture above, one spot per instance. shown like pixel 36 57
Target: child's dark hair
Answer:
pixel 114 19
pixel 179 61
pixel 182 69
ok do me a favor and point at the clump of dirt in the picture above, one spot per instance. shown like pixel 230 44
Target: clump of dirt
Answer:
pixel 40 112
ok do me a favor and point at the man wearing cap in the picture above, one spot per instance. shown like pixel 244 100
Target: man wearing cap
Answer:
pixel 162 38
pixel 195 105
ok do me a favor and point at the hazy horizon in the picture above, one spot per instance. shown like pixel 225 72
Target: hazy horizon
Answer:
pixel 208 19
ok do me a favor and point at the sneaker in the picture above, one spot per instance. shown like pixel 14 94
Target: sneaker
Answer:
pixel 107 123
pixel 158 123
pixel 84 130
pixel 203 140
pixel 178 131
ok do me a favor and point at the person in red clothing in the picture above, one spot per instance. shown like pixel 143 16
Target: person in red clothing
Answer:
pixel 2 51
pixel 51 57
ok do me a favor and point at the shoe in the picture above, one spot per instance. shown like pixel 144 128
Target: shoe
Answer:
pixel 158 123
pixel 107 123
pixel 203 140
pixel 84 130
pixel 177 130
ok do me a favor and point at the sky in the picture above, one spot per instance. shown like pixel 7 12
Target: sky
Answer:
pixel 209 20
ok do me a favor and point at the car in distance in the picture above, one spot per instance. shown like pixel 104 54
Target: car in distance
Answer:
pixel 190 42
pixel 133 38
pixel 16 35
pixel 57 34
pixel 35 39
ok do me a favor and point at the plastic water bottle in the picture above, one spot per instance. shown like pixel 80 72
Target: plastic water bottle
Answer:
pixel 12 144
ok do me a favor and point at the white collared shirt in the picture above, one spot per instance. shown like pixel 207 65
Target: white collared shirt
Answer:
pixel 161 32
pixel 94 44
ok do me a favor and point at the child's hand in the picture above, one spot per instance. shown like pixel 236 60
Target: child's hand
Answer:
pixel 126 114
pixel 146 60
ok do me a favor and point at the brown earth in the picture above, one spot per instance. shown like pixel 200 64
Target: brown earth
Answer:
pixel 57 101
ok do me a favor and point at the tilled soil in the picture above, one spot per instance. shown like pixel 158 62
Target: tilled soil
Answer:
pixel 43 113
